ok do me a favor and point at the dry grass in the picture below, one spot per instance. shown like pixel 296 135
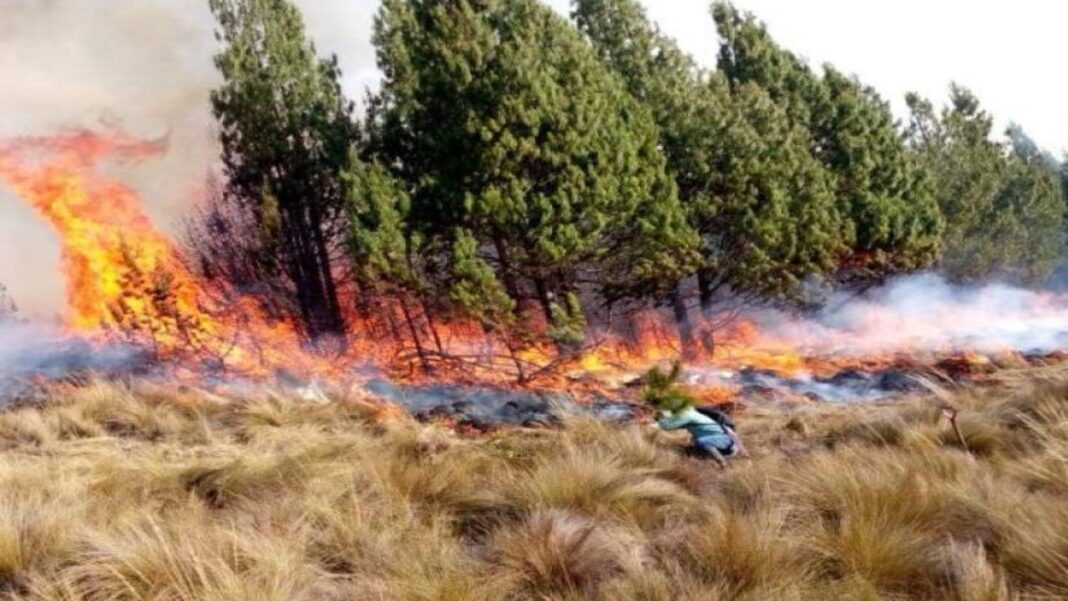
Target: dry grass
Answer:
pixel 112 493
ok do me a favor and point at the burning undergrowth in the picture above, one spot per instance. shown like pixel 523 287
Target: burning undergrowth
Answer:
pixel 135 308
pixel 32 355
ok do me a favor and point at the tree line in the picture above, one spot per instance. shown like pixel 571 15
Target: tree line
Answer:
pixel 535 175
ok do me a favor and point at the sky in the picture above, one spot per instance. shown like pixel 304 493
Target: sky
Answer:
pixel 145 66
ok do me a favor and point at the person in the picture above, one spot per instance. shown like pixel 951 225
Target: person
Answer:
pixel 711 437
pixel 712 431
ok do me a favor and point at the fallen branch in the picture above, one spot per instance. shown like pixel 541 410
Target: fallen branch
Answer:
pixel 950 413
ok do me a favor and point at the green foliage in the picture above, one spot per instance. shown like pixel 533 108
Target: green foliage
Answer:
pixel 776 223
pixel 661 389
pixel 894 219
pixel 568 325
pixel 516 162
pixel 1004 211
pixel 474 287
pixel 501 122
pixel 286 131
pixel 1029 214
pixel 379 240
pixel 761 203
pixel 889 220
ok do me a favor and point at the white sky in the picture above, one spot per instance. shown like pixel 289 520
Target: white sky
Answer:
pixel 145 65
pixel 1012 55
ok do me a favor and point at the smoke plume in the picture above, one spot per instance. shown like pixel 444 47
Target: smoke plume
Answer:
pixel 146 68
pixel 926 313
pixel 32 351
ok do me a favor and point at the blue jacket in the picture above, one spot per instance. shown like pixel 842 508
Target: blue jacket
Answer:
pixel 698 424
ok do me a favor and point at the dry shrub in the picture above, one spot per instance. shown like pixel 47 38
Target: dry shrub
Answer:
pixel 875 518
pixel 25 427
pixel 452 483
pixel 974 576
pixel 629 444
pixel 249 478
pixel 596 482
pixel 737 553
pixel 191 558
pixel 135 492
pixel 1035 554
pixel 120 412
pixel 385 549
pixel 561 553
pixel 879 549
pixel 882 431
pixel 69 423
pixel 982 436
pixel 33 534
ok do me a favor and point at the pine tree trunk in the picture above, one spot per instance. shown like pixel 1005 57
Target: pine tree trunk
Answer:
pixel 706 292
pixel 507 275
pixel 423 360
pixel 683 323
pixel 295 268
pixel 431 326
pixel 335 321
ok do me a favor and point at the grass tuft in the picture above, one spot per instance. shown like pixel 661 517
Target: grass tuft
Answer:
pixel 112 492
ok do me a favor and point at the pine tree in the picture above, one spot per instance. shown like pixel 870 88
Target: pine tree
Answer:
pixel 967 167
pixel 761 203
pixel 392 262
pixel 895 222
pixel 521 150
pixel 891 220
pixel 1003 205
pixel 1029 221
pixel 286 131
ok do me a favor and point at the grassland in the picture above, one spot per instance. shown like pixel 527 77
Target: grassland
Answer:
pixel 113 492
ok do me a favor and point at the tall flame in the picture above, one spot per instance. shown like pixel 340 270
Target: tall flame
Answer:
pixel 102 230
pixel 122 274
pixel 126 277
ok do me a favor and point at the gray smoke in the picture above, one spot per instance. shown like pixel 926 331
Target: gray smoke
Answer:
pixel 144 67
pixel 925 313
pixel 33 352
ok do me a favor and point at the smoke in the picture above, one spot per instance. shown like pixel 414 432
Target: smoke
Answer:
pixel 30 352
pixel 143 67
pixel 146 68
pixel 925 313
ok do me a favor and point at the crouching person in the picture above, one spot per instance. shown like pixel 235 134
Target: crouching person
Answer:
pixel 712 437
pixel 712 430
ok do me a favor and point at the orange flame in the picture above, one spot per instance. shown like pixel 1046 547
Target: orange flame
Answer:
pixel 124 276
pixel 97 220
pixel 122 273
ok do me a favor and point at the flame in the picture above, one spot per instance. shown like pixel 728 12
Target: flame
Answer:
pixel 97 220
pixel 125 277
pixel 122 274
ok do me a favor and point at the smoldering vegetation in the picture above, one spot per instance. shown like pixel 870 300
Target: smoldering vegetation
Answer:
pixel 136 492
pixel 926 312
pixel 32 355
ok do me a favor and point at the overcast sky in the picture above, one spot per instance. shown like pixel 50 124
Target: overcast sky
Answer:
pixel 145 66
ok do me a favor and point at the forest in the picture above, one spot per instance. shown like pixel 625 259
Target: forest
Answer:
pixel 540 177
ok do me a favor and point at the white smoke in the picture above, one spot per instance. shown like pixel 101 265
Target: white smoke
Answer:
pixel 144 67
pixel 33 351
pixel 926 313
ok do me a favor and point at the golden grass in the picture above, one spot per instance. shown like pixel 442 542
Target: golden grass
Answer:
pixel 133 492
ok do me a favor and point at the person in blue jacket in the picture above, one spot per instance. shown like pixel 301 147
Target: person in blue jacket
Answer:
pixel 712 430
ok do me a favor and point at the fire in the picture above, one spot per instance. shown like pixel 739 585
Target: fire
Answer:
pixel 102 230
pixel 122 274
pixel 126 278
